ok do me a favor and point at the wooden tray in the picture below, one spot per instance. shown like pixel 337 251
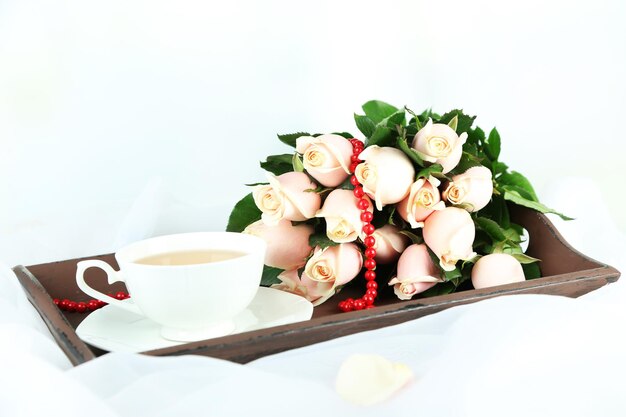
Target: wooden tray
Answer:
pixel 566 272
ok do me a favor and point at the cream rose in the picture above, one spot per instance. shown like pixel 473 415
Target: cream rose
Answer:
pixel 496 269
pixel 472 189
pixel 438 143
pixel 314 291
pixel 287 245
pixel 422 200
pixel 390 243
pixel 335 264
pixel 449 233
pixel 287 196
pixel 326 158
pixel 416 272
pixel 386 174
pixel 343 217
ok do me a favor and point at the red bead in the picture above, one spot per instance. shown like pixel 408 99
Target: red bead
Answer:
pixel 101 303
pixel 363 204
pixel 355 158
pixel 354 180
pixel 369 300
pixel 370 275
pixel 120 295
pixel 127 295
pixel 354 140
pixel 56 302
pixel 369 241
pixel 368 229
pixel 372 293
pixel 370 264
pixel 71 306
pixel 81 307
pixel 367 216
pixel 370 253
pixel 359 304
pixel 369 306
pixel 93 305
pixel 371 285
pixel 353 166
pixel 343 306
pixel 63 304
pixel 358 191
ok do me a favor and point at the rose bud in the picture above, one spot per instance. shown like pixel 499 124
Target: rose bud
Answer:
pixel 438 143
pixel 386 174
pixel 288 196
pixel 449 233
pixel 390 243
pixel 334 264
pixel 326 158
pixel 496 269
pixel 314 291
pixel 343 217
pixel 422 200
pixel 287 245
pixel 472 189
pixel 416 272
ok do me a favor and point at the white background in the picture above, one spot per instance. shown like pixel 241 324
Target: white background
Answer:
pixel 177 101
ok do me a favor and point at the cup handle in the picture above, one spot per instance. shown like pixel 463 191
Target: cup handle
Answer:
pixel 112 276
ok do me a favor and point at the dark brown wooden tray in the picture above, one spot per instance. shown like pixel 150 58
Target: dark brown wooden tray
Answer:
pixel 566 272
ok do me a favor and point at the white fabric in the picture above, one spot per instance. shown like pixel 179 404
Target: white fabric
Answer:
pixel 519 355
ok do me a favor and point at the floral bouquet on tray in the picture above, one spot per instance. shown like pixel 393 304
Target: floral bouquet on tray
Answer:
pixel 420 206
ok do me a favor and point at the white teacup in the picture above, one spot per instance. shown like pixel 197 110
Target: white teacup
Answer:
pixel 196 299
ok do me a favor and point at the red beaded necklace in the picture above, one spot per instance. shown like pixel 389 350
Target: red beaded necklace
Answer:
pixel 367 300
pixel 91 305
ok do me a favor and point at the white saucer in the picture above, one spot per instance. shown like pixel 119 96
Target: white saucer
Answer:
pixel 117 330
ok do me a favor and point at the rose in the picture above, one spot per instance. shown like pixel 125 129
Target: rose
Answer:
pixel 326 158
pixel 343 217
pixel 422 200
pixel 386 174
pixel 287 245
pixel 288 196
pixel 325 272
pixel 472 189
pixel 416 272
pixel 438 143
pixel 449 233
pixel 390 243
pixel 496 269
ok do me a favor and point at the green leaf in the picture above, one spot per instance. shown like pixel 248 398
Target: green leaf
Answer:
pixel 378 110
pixel 498 168
pixel 492 145
pixel 321 240
pixel 516 198
pixel 278 164
pixel 531 271
pixel 518 180
pixel 290 139
pixel 410 152
pixel 490 227
pixel 364 124
pixel 476 137
pixel 464 121
pixel 397 118
pixel 441 288
pixel 382 136
pixel 452 275
pixel 415 119
pixel 524 259
pixel 454 123
pixel 467 161
pixel 433 170
pixel 254 184
pixel 296 163
pixel 270 275
pixel 244 213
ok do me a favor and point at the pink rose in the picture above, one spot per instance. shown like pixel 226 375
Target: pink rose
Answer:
pixel 386 174
pixel 416 272
pixel 326 158
pixel 422 200
pixel 449 233
pixel 390 243
pixel 335 264
pixel 496 269
pixel 439 144
pixel 314 291
pixel 287 245
pixel 472 189
pixel 286 197
pixel 343 217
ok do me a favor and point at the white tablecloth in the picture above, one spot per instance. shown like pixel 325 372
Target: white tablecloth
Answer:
pixel 519 355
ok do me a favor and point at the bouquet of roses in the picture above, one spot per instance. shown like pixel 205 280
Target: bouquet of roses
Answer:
pixel 421 205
